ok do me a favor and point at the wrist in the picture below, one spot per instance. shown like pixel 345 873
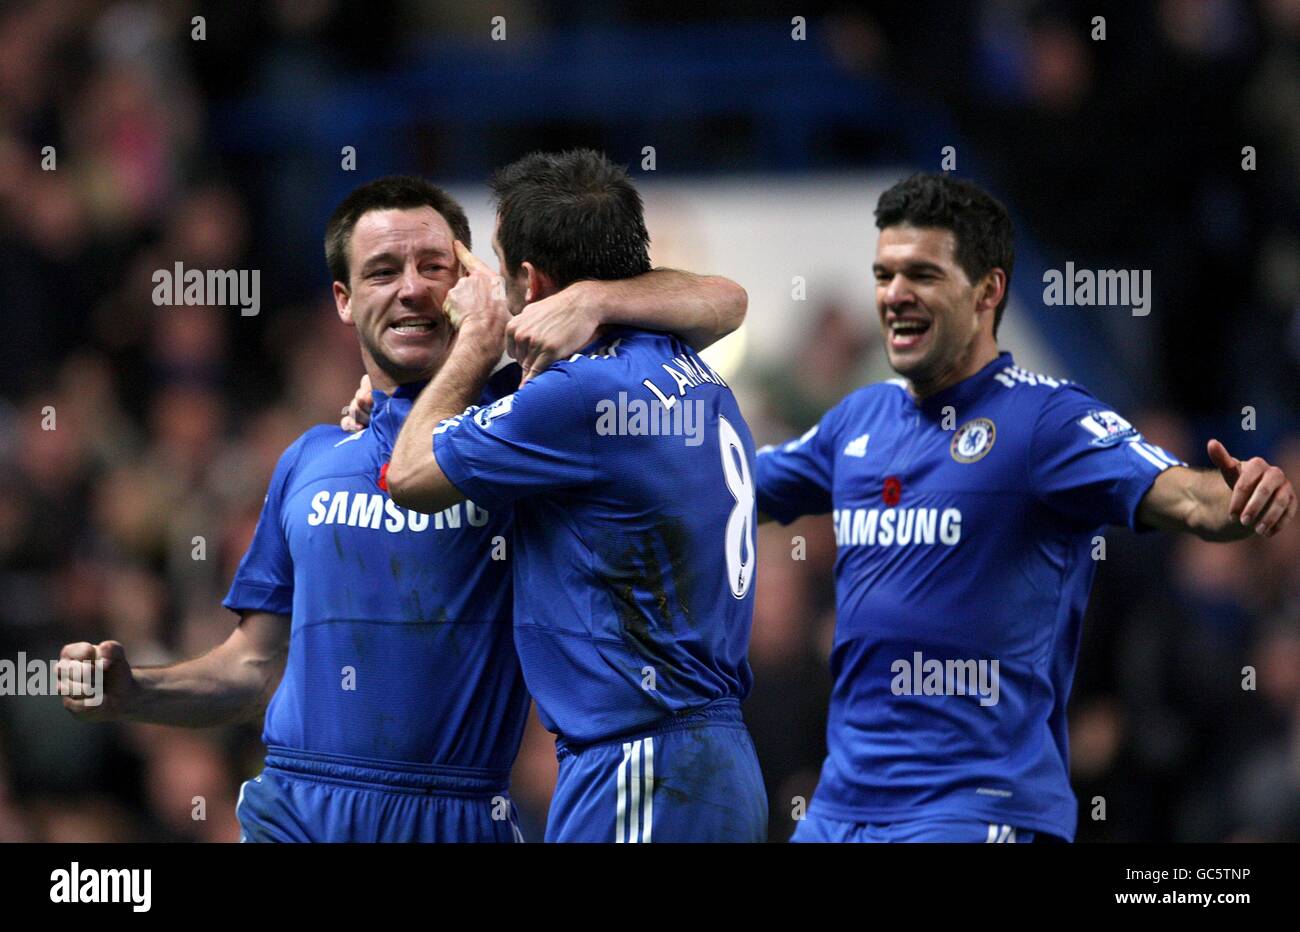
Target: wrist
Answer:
pixel 477 344
pixel 467 370
pixel 593 301
pixel 589 301
pixel 127 703
pixel 1216 524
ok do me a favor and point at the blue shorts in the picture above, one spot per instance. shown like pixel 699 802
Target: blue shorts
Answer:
pixel 302 797
pixel 693 779
pixel 819 828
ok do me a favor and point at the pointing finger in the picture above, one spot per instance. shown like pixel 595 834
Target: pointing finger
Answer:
pixel 471 262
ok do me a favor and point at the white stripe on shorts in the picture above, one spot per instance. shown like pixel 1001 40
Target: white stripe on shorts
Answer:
pixel 649 776
pixel 634 811
pixel 1001 834
pixel 634 795
pixel 620 813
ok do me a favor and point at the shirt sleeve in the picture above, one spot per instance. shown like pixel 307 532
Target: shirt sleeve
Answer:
pixel 1090 464
pixel 795 478
pixel 264 580
pixel 535 440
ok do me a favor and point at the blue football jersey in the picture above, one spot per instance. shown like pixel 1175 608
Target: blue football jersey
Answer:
pixel 629 467
pixel 401 645
pixel 966 527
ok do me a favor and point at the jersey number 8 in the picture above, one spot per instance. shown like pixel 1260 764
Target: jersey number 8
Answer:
pixel 740 523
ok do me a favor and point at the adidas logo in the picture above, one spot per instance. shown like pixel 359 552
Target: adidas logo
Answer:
pixel 857 447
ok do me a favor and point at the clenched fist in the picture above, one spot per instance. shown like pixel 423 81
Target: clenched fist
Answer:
pixel 95 680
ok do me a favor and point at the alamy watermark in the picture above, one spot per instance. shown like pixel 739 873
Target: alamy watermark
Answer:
pixel 922 677
pixel 76 884
pixel 179 286
pixel 35 677
pixel 1102 288
pixel 639 417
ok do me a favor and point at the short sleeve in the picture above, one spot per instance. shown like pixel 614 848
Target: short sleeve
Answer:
pixel 535 440
pixel 264 580
pixel 1089 464
pixel 795 478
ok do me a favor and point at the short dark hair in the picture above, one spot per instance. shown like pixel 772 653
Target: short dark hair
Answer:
pixel 979 223
pixel 392 192
pixel 574 215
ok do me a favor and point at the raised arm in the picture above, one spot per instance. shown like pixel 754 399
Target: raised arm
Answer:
pixel 701 309
pixel 1227 504
pixel 233 682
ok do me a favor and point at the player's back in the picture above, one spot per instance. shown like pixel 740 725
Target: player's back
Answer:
pixel 630 468
pixel 659 543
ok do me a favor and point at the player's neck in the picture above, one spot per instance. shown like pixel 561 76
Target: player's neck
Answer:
pixel 381 381
pixel 980 354
pixel 387 381
pixel 384 382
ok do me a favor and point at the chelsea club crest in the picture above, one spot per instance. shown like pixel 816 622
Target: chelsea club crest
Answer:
pixel 973 440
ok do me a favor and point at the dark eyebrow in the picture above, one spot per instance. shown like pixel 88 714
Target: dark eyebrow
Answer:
pixel 393 257
pixel 911 268
pixel 380 257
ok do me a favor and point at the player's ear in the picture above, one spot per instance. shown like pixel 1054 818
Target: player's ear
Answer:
pixel 343 302
pixel 537 283
pixel 992 288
